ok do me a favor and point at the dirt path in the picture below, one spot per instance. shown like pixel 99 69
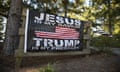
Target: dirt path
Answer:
pixel 93 63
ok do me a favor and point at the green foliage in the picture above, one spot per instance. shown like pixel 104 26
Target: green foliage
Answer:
pixel 47 69
pixel 104 41
pixel 4 7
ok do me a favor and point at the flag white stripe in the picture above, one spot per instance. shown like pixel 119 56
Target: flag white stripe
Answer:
pixel 60 33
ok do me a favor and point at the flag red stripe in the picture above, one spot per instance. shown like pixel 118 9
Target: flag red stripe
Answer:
pixel 60 33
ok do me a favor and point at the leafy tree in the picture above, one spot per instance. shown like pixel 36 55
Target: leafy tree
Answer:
pixel 109 11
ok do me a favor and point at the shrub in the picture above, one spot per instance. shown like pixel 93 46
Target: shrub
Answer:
pixel 47 69
pixel 104 41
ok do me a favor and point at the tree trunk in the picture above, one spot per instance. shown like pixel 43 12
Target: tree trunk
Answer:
pixel 12 27
pixel 110 22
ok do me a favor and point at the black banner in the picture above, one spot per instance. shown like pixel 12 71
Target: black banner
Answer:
pixel 49 32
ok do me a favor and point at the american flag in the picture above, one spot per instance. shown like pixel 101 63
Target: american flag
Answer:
pixel 58 33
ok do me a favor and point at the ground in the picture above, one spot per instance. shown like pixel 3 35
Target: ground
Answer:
pixel 88 63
